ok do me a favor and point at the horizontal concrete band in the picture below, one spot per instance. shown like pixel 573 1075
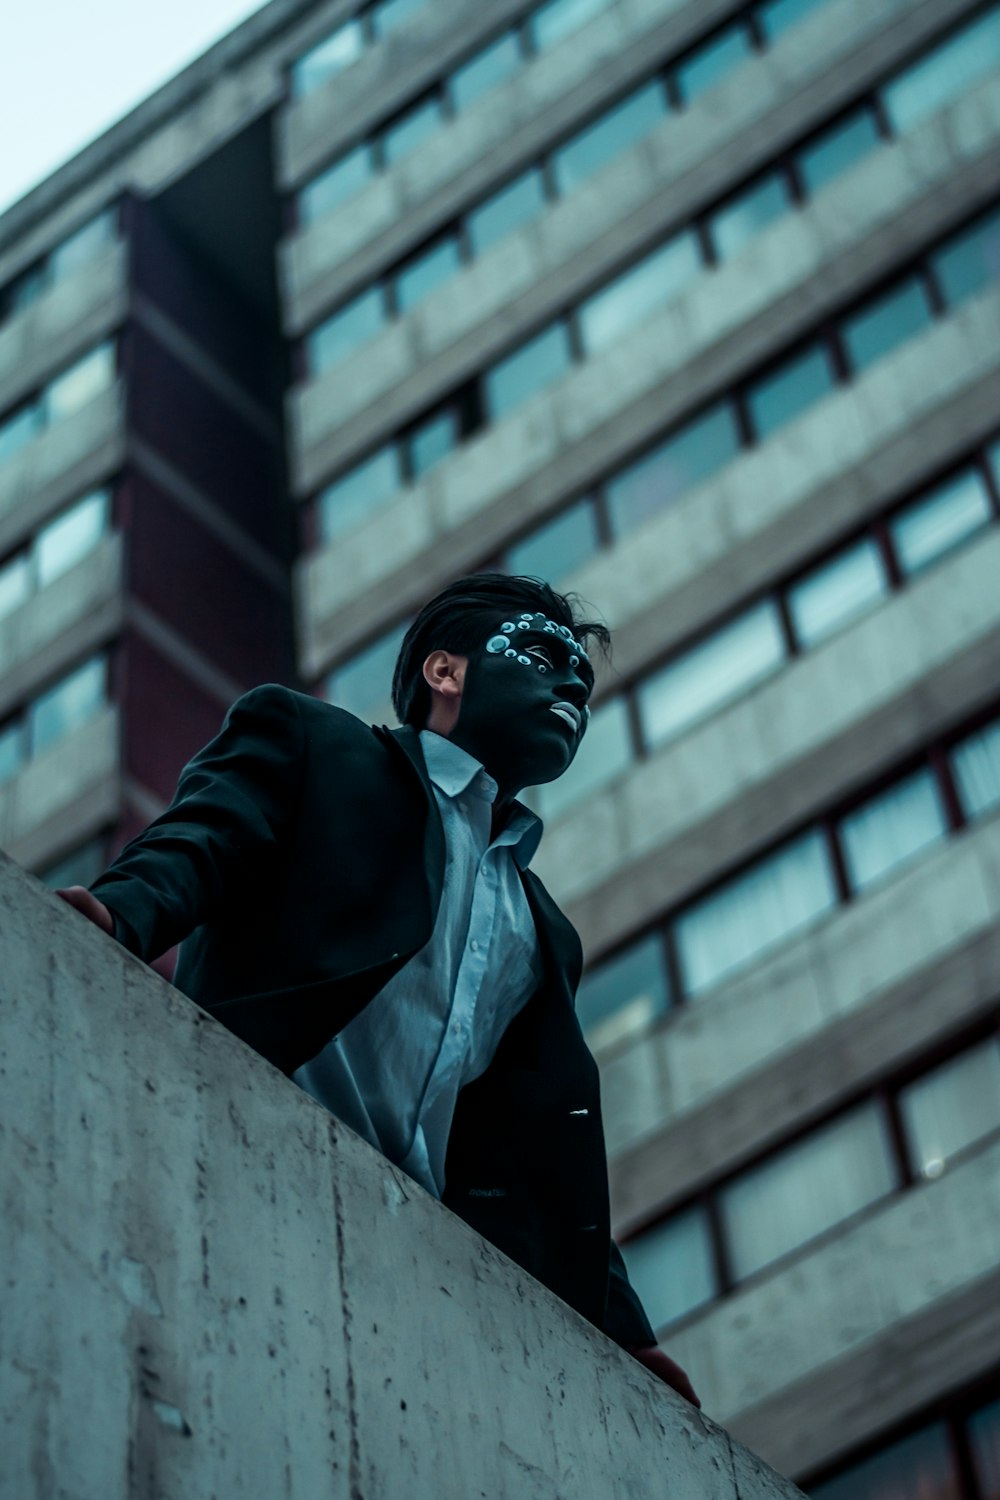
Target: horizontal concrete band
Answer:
pixel 252 1300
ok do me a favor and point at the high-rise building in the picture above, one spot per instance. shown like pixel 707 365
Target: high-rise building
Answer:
pixel 692 306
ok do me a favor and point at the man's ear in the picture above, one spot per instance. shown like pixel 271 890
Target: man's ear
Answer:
pixel 444 674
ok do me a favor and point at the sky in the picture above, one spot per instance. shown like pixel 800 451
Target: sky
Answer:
pixel 71 68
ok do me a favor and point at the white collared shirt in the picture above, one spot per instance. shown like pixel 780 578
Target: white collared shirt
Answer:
pixel 395 1071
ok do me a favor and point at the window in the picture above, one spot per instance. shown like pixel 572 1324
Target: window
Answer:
pixel 11 751
pixel 886 323
pixel 952 1107
pixel 672 1267
pixel 970 261
pixel 23 290
pixel 806 1188
pixel 81 867
pixel 71 536
pixel 83 246
pixel 363 685
pixel 790 391
pixel 347 330
pixel 920 1465
pixel 432 441
pixel 691 455
pixel 605 751
pixel 389 14
pixel 753 912
pixel 630 298
pixel 426 271
pixel 976 764
pixel 837 592
pixel 622 995
pixel 484 71
pixel 940 521
pixel 528 370
pixel 551 22
pixel 328 57
pixel 80 383
pixel 891 828
pixel 68 705
pixel 837 150
pixel 507 210
pixel 748 214
pixel 559 547
pixel 411 130
pixel 334 186
pixel 984 1441
pixel 359 494
pixel 776 16
pixel 613 133
pixel 18 429
pixel 713 62
pixel 942 75
pixel 712 673
pixel 15 583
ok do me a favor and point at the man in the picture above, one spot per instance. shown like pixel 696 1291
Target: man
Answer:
pixel 356 904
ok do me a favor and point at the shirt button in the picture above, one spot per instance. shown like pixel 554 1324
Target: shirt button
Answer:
pixel 474 946
pixel 484 869
pixel 463 807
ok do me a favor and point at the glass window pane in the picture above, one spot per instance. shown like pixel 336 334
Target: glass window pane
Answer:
pixel 952 1107
pixel 748 214
pixel 484 71
pixel 22 292
pixel 790 391
pixel 799 1192
pixel 672 1267
pixel 328 57
pixel 80 383
pixel 347 330
pixel 976 764
pixel 838 149
pixel 514 205
pixel 411 130
pixel 551 22
pixel 713 62
pixel 753 912
pixel 608 136
pixel 920 1466
pixel 425 272
pixel 605 751
pixel 885 324
pixel 940 76
pixel 11 751
pixel 389 14
pixel 776 16
pixel 559 547
pixel 433 441
pixel 81 867
pixel 984 1440
pixel 334 186
pixel 359 494
pixel 933 525
pixel 19 428
pixel 71 536
pixel 712 673
pixel 630 298
pixel 623 994
pixel 363 685
pixel 891 828
pixel 837 592
pixel 82 246
pixel 687 458
pixel 528 370
pixel 970 261
pixel 67 705
pixel 15 583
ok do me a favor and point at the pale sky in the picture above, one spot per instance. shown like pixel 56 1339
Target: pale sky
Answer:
pixel 71 68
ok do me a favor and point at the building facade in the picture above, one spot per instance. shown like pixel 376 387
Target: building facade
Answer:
pixel 693 307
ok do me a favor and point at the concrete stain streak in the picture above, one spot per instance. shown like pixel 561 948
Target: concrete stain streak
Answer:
pixel 354 1450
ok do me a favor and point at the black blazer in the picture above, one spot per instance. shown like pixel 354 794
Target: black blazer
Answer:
pixel 300 864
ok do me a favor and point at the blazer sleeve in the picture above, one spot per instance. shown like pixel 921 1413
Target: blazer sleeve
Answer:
pixel 625 1320
pixel 232 803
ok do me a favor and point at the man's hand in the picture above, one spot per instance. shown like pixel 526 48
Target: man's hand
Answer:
pixel 96 911
pixel 666 1369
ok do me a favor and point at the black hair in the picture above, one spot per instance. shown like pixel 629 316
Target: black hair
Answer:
pixel 457 620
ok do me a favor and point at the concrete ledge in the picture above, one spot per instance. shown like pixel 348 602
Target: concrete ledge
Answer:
pixel 213 1288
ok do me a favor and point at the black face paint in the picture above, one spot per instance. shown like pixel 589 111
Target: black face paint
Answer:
pixel 524 702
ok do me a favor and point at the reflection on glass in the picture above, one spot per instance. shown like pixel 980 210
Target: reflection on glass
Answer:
pixel 347 330
pixel 712 673
pixel 328 57
pixel 19 428
pixel 484 71
pixel 68 705
pixel 713 62
pixel 514 205
pixel 776 16
pixel 754 912
pixel 748 214
pixel 938 522
pixel 557 548
pixel 359 494
pixel 80 383
pixel 411 130
pixel 15 583
pixel 334 186
pixel 605 751
pixel 83 246
pixel 623 994
pixel 24 290
pixel 551 22
pixel 969 262
pixel 951 1108
pixel 608 136
pixel 837 592
pixel 389 14
pixel 528 370
pixel 691 455
pixel 886 323
pixel 806 1188
pixel 71 536
pixel 838 149
pixel 672 1266
pixel 432 441
pixel 630 298
pixel 790 391
pixel 919 1466
pixel 890 828
pixel 363 685
pixel 942 75
pixel 976 764
pixel 11 751
pixel 425 272
pixel 984 1440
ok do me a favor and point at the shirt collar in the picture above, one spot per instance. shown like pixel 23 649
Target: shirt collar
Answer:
pixel 454 771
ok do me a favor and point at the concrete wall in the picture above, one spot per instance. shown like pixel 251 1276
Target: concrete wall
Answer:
pixel 64 795
pixel 214 1289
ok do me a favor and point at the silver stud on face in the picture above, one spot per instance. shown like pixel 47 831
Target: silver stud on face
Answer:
pixel 508 627
pixel 574 661
pixel 510 652
pixel 525 661
pixel 542 667
pixel 527 617
pixel 496 644
pixel 524 624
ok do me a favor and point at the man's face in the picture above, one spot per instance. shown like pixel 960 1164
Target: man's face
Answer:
pixel 524 701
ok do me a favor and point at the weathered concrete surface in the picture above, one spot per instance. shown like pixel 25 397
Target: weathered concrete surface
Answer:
pixel 213 1289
